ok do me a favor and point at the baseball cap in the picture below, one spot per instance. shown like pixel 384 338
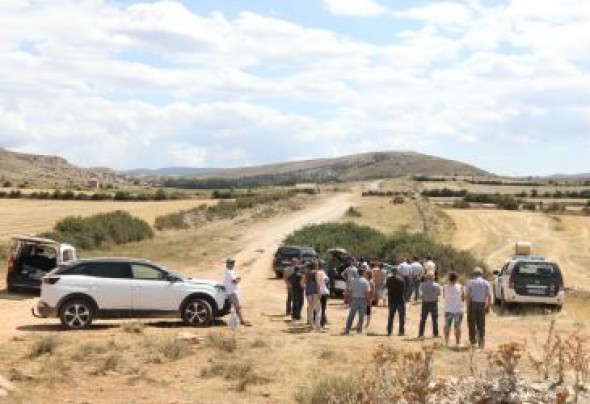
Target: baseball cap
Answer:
pixel 230 260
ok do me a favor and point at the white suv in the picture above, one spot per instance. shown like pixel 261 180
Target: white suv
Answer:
pixel 82 290
pixel 528 279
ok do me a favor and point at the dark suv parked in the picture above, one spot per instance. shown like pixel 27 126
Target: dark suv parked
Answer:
pixel 286 253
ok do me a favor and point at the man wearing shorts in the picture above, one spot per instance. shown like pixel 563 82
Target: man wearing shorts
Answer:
pixel 454 295
pixel 230 282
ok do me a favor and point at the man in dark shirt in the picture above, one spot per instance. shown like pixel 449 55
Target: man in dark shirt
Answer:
pixel 396 292
pixel 296 284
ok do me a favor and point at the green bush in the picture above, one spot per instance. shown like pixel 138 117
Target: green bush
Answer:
pixel 171 221
pixel 358 240
pixel 363 241
pixel 95 231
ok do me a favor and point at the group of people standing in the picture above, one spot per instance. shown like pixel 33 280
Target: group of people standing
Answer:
pixel 420 280
pixel 309 282
pixel 369 285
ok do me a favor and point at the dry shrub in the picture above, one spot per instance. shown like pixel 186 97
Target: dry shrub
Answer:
pixel 503 363
pixel 578 358
pixel 222 342
pixel 161 349
pixel 46 344
pixel 87 351
pixel 53 370
pixel 561 355
pixel 259 343
pixel 241 372
pixel 399 375
pixel 109 363
pixel 133 327
pixel 330 390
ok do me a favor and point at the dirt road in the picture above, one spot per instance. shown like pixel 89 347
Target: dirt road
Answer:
pixel 491 235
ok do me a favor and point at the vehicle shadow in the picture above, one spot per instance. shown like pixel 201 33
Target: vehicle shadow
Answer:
pixel 524 310
pixel 24 295
pixel 180 324
pixel 58 327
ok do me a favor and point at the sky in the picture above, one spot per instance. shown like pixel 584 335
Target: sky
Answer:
pixel 500 84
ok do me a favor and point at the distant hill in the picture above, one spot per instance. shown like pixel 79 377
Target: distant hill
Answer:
pixel 170 171
pixel 356 167
pixel 52 171
pixel 48 171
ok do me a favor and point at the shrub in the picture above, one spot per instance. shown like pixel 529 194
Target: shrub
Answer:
pixel 529 206
pixel 367 242
pixel 358 240
pixel 222 342
pixel 116 227
pixel 171 221
pixel 44 345
pixel 461 204
pixel 335 389
pixel 353 212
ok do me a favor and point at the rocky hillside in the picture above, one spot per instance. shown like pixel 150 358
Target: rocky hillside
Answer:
pixel 47 171
pixel 358 167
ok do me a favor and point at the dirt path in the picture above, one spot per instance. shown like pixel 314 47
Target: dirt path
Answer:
pixel 491 234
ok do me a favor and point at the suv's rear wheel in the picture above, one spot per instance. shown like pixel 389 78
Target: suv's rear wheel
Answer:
pixel 197 312
pixel 76 314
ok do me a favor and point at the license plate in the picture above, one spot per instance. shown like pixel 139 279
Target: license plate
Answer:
pixel 536 291
pixel 340 285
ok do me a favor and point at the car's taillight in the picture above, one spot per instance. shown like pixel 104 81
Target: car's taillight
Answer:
pixel 10 264
pixel 511 282
pixel 561 286
pixel 50 280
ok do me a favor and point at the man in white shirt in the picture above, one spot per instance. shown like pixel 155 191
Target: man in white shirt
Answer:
pixel 416 278
pixel 405 270
pixel 230 282
pixel 430 266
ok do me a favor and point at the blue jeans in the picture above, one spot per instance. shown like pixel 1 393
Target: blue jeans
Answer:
pixel 432 309
pixel 357 304
pixel 400 307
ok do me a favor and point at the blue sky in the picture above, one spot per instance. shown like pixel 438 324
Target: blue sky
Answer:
pixel 503 85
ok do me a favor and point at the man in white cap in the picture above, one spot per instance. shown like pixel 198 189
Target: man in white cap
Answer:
pixel 230 282
pixel 478 297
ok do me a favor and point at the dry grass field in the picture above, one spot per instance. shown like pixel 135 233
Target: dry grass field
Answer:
pixel 272 362
pixel 24 216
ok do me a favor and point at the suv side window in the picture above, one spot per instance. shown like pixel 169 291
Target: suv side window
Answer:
pixel 146 272
pixel 117 270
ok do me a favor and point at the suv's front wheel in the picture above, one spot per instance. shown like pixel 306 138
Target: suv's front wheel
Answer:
pixel 76 314
pixel 197 312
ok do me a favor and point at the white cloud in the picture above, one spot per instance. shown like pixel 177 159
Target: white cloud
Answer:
pixel 354 8
pixel 157 84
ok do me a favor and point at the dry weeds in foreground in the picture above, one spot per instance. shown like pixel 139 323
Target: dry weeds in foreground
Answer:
pixel 406 376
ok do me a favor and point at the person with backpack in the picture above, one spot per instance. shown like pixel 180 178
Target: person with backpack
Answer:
pixel 312 293
pixel 296 284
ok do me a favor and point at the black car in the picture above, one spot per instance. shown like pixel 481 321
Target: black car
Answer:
pixel 286 253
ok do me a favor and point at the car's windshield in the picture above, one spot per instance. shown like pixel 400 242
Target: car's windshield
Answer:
pixel 540 269
pixel 287 254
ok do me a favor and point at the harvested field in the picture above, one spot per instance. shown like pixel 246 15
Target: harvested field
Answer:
pixel 491 235
pixel 23 216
